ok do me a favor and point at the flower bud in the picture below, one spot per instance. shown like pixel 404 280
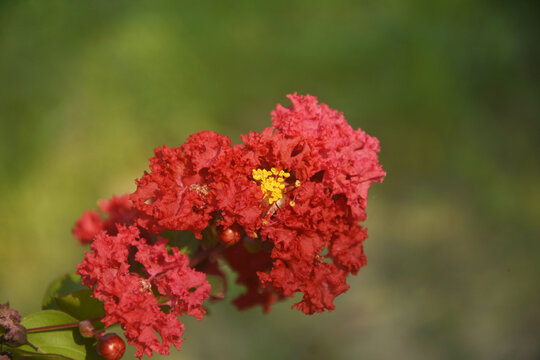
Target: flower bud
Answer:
pixel 86 329
pixel 230 235
pixel 111 346
pixel 14 333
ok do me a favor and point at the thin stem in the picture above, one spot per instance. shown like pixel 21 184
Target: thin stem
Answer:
pixel 56 327
pixel 32 345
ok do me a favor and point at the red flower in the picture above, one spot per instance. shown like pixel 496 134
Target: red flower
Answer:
pixel 119 210
pixel 348 158
pixel 178 194
pixel 129 295
pixel 87 226
pixel 283 209
pixel 290 197
pixel 302 185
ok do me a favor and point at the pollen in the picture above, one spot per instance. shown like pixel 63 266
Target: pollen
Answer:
pixel 271 183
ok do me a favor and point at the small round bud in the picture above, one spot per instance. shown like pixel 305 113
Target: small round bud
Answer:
pixel 230 235
pixel 86 328
pixel 111 346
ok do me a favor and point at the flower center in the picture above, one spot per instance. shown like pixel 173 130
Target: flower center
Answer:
pixel 271 183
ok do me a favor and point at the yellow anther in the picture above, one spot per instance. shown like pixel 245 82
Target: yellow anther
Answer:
pixel 292 203
pixel 271 183
pixel 297 183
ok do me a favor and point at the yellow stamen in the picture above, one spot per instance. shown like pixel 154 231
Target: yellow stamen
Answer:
pixel 292 203
pixel 271 183
pixel 297 183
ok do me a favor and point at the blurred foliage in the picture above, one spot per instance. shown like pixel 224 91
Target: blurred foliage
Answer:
pixel 450 88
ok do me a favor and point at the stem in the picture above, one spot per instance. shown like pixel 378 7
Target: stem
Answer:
pixel 56 327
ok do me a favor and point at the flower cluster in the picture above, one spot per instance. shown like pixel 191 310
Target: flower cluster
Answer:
pixel 288 199
pixel 129 296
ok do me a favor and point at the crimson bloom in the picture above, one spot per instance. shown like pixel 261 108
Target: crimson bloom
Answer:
pixel 129 296
pixel 282 209
pixel 177 193
pixel 302 185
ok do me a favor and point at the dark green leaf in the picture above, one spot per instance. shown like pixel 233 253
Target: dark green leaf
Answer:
pixel 66 284
pixel 252 245
pixel 183 240
pixel 81 305
pixel 210 236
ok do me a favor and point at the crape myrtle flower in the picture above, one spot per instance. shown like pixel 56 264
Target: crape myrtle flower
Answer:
pixel 282 209
pixel 117 210
pixel 302 185
pixel 143 288
pixel 178 194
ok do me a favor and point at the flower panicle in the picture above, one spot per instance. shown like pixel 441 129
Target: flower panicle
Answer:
pixel 282 209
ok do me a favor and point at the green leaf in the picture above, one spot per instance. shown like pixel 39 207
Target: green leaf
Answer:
pixel 252 245
pixel 217 286
pixel 81 305
pixel 64 285
pixel 233 288
pixel 210 236
pixel 27 355
pixel 66 342
pixel 183 240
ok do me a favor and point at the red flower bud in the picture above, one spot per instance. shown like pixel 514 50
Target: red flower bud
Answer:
pixel 230 235
pixel 111 346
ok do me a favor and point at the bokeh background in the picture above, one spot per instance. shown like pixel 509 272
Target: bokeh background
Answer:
pixel 450 88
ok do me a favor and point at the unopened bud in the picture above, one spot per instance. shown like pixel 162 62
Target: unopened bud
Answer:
pixel 230 235
pixel 111 346
pixel 14 333
pixel 86 328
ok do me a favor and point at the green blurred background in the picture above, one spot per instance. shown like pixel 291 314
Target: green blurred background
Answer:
pixel 450 88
